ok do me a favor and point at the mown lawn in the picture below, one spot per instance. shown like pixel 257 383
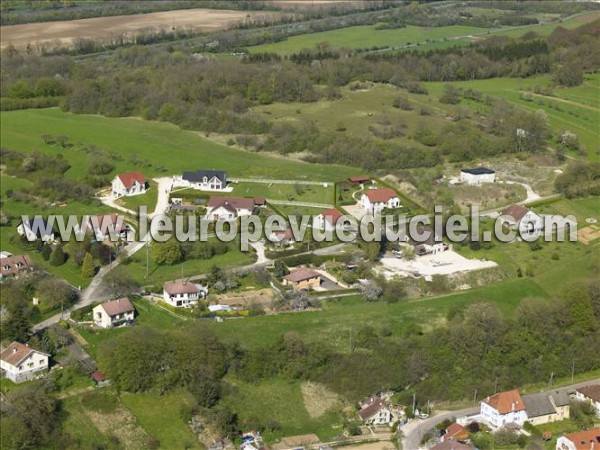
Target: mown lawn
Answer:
pixel 287 192
pixel 148 199
pixel 160 416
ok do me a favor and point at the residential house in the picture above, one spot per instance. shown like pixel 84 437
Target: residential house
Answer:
pixel 21 363
pixel 36 229
pixel 205 180
pixel 376 412
pixel 183 294
pixel 581 440
pixel 283 237
pixel 376 200
pixel 108 226
pixel 327 219
pixel 590 394
pixel 451 444
pixel 523 219
pixel 128 184
pixel 114 313
pixel 456 432
pixel 302 279
pixel 544 408
pixel 229 208
pixel 504 408
pixel 15 265
pixel 477 175
pixel 426 241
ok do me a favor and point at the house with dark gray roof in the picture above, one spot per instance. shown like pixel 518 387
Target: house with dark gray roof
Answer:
pixel 547 407
pixel 477 175
pixel 205 180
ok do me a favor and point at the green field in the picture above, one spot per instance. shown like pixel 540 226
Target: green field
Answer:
pixel 148 199
pixel 282 401
pixel 367 36
pixel 341 318
pixel 286 192
pixel 163 148
pixel 413 37
pixel 160 416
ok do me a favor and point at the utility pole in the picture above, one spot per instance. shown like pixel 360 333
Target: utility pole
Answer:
pixel 551 379
pixel 496 386
pixel 475 396
pixel 147 250
pixel 573 371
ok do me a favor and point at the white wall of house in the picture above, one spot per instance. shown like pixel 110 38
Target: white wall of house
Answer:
pixel 186 300
pixel 320 222
pixel 498 420
pixel 119 189
pixel 377 207
pixel 222 213
pixel 27 369
pixel 24 229
pixel 582 398
pixel 563 443
pixel 102 319
pixel 530 222
pixel 206 184
pixel 470 178
pixel 382 417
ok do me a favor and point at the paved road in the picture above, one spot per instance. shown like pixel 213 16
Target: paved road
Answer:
pixel 414 431
pixel 96 290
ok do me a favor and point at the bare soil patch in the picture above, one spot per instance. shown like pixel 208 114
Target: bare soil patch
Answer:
pixel 318 399
pixel 588 234
pixel 262 297
pixel 122 424
pixel 101 27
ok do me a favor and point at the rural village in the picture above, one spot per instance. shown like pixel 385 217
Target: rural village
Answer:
pixel 129 341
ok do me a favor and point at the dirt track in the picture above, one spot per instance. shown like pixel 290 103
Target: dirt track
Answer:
pixel 101 27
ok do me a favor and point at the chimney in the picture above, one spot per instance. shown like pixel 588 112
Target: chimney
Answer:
pixel 513 406
pixel 14 350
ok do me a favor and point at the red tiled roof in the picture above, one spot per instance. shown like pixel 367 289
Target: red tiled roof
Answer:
pixel 585 440
pixel 457 431
pixel 331 215
pixel 130 178
pixel 16 352
pixel 287 235
pixel 118 306
pixel 98 377
pixel 12 265
pixel 236 203
pixel 451 444
pixel 503 402
pixel 301 274
pixel 380 195
pixel 370 409
pixel 181 287
pixel 592 391
pixel 517 212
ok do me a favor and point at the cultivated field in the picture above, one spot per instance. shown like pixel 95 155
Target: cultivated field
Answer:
pixel 100 27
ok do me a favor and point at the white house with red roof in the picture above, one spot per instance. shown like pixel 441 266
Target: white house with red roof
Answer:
pixel 504 408
pixel 591 394
pixel 21 363
pixel 128 184
pixel 114 313
pixel 230 208
pixel 581 440
pixel 376 200
pixel 327 219
pixel 522 219
pixel 183 293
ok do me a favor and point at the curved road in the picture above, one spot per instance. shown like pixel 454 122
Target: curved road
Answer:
pixel 414 431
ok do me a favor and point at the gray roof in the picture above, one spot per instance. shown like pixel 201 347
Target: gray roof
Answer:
pixel 199 175
pixel 478 171
pixel 541 404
